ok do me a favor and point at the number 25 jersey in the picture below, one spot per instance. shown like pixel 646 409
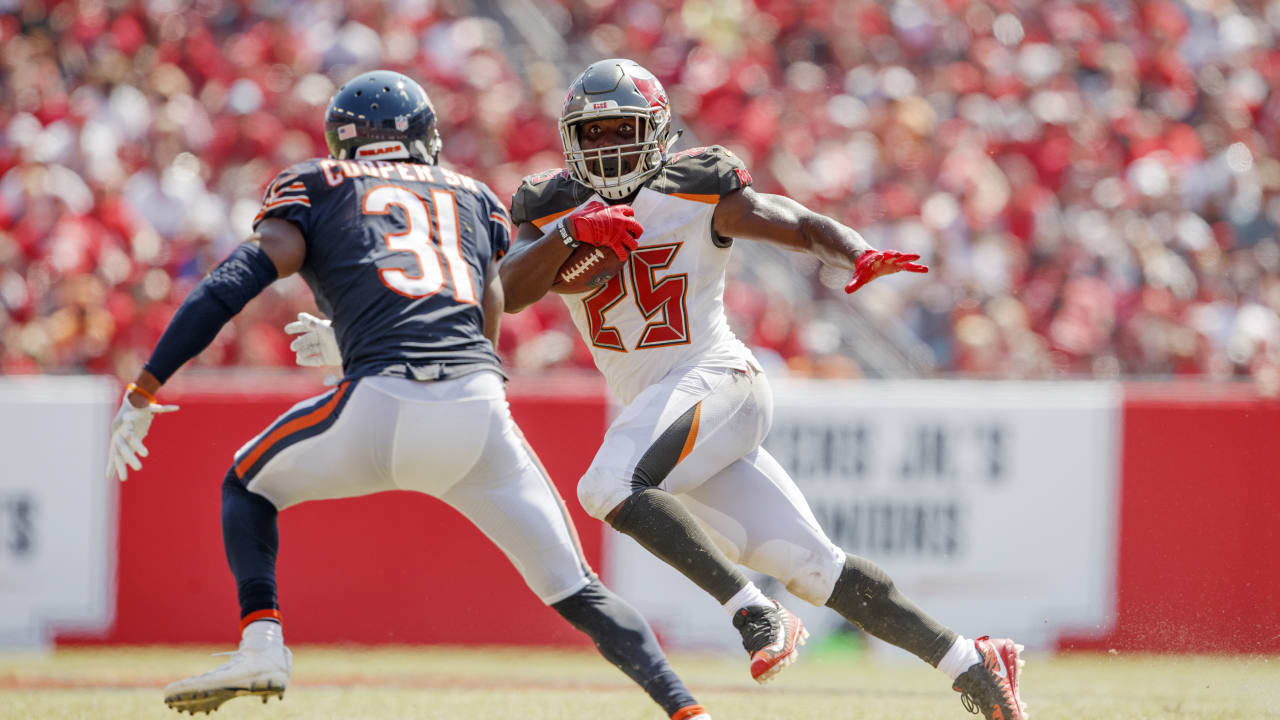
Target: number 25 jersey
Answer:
pixel 396 257
pixel 665 309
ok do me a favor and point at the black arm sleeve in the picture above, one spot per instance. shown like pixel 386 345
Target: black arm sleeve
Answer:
pixel 210 305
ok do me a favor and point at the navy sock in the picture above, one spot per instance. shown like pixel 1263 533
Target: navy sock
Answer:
pixel 251 540
pixel 625 639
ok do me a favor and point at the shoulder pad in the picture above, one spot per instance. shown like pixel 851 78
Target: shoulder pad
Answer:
pixel 544 196
pixel 545 175
pixel 291 180
pixel 292 174
pixel 306 167
pixel 706 172
pixel 288 195
pixel 490 196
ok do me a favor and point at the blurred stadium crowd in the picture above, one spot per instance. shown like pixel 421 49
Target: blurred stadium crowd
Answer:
pixel 1095 185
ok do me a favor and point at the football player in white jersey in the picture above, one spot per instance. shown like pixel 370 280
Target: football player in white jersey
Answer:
pixel 682 469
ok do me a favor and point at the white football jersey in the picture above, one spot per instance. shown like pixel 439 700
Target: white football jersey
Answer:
pixel 665 309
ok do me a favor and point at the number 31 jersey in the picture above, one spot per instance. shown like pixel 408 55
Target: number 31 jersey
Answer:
pixel 665 308
pixel 396 257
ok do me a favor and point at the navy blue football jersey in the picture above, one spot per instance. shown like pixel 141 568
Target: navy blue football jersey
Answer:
pixel 396 257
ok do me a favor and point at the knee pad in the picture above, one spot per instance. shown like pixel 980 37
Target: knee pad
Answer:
pixel 812 574
pixel 600 491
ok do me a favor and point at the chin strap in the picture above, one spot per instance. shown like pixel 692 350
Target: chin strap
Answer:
pixel 666 148
pixel 671 143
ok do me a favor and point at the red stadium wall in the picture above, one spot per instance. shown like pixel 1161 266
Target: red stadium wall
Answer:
pixel 1196 571
pixel 1199 523
pixel 396 567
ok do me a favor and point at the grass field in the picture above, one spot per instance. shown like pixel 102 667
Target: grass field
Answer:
pixel 334 683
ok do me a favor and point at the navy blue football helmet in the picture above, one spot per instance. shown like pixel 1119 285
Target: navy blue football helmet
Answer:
pixel 382 115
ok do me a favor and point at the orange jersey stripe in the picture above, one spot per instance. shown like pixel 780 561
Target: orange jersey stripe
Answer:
pixel 501 219
pixel 547 219
pixel 693 433
pixel 299 423
pixel 286 201
pixel 279 182
pixel 709 199
pixel 278 203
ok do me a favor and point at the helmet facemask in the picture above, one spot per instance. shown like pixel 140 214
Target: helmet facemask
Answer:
pixel 427 152
pixel 603 168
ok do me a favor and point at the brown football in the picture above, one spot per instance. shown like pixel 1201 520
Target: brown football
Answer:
pixel 587 268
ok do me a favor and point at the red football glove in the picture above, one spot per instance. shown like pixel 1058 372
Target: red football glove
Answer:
pixel 874 263
pixel 607 226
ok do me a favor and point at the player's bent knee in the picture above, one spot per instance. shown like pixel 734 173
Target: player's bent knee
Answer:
pixel 600 492
pixel 553 590
pixel 814 579
pixel 553 573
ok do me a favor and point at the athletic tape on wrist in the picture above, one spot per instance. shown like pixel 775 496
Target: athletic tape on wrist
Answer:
pixel 566 238
pixel 133 387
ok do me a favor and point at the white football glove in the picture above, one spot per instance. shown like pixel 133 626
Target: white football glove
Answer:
pixel 127 431
pixel 316 345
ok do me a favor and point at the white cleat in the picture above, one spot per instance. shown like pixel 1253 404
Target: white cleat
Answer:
pixel 261 672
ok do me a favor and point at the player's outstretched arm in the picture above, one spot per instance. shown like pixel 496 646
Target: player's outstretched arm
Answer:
pixel 782 221
pixel 275 251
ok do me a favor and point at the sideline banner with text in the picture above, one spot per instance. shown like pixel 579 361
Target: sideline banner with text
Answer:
pixel 57 508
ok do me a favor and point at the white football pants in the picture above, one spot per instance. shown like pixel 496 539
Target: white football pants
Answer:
pixel 451 439
pixel 709 422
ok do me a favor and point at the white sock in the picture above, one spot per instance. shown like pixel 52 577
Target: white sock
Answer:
pixel 747 597
pixel 262 634
pixel 959 658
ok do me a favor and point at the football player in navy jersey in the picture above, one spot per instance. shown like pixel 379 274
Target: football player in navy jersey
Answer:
pixel 401 253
